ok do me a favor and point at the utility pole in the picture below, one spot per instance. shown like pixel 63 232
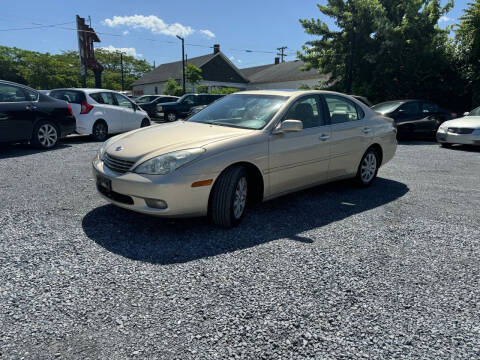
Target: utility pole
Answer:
pixel 121 67
pixel 183 61
pixel 282 52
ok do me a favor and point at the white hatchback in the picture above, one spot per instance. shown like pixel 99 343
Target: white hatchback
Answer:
pixel 101 112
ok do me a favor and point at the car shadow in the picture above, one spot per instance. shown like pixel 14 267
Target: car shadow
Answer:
pixel 18 150
pixel 466 148
pixel 167 241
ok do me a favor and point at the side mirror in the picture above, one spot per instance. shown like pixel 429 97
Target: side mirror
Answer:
pixel 289 126
pixel 466 113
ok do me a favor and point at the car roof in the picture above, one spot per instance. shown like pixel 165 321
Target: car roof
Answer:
pixel 87 90
pixel 289 92
pixel 16 84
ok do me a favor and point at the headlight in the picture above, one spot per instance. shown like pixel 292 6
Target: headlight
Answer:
pixel 165 164
pixel 443 127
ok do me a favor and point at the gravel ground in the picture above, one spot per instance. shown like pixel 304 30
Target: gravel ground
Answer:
pixel 333 272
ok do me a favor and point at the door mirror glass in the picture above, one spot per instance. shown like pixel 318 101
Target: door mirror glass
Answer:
pixel 289 126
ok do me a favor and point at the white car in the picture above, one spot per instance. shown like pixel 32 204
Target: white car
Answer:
pixel 101 112
pixel 465 130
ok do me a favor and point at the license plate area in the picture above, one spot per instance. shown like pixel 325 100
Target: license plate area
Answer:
pixel 104 183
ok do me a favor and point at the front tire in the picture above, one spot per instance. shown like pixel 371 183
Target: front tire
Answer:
pixel 45 135
pixel 100 131
pixel 229 197
pixel 145 123
pixel 171 116
pixel 368 168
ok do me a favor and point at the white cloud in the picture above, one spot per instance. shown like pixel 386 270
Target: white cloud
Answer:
pixel 232 58
pixel 126 51
pixel 208 33
pixel 126 32
pixel 150 22
pixel 444 19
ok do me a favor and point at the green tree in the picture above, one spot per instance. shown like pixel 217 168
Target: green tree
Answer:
pixel 172 88
pixel 201 89
pixel 224 91
pixel 467 39
pixel 193 75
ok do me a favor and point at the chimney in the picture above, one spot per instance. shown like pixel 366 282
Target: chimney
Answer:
pixel 216 48
pixel 277 60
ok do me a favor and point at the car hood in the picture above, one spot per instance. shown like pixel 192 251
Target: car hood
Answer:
pixel 467 121
pixel 170 103
pixel 161 139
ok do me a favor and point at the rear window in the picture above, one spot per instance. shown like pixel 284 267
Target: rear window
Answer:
pixel 71 96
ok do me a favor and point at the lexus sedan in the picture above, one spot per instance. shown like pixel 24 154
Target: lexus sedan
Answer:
pixel 27 115
pixel 246 147
pixel 465 130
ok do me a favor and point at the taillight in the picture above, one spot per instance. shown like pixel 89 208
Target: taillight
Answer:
pixel 86 107
pixel 69 109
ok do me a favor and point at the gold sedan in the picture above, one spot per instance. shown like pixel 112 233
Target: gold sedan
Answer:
pixel 247 147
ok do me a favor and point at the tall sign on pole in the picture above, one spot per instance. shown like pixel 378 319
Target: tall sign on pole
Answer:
pixel 86 37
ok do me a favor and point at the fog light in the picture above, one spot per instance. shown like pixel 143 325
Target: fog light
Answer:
pixel 157 204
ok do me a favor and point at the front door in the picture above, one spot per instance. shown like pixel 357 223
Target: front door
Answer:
pixel 299 159
pixel 17 114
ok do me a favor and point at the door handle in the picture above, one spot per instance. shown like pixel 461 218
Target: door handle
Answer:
pixel 324 137
pixel 366 130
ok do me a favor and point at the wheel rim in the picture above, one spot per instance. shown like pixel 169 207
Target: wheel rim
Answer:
pixel 368 168
pixel 240 198
pixel 100 131
pixel 47 135
pixel 171 117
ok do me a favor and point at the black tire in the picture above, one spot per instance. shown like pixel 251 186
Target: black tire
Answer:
pixel 446 145
pixel 222 203
pixel 45 135
pixel 100 131
pixel 170 116
pixel 366 173
pixel 145 123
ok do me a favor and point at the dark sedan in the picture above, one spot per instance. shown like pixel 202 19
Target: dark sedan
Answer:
pixel 414 117
pixel 149 102
pixel 29 116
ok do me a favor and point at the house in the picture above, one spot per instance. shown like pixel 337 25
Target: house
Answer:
pixel 219 72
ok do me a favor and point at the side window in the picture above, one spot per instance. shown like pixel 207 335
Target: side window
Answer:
pixel 341 110
pixel 74 97
pixel 9 93
pixel 189 100
pixel 107 98
pixel 411 108
pixel 308 110
pixel 123 101
pixel 31 95
pixel 360 112
pixel 429 108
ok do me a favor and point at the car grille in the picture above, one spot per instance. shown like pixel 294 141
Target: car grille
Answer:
pixel 460 130
pixel 117 164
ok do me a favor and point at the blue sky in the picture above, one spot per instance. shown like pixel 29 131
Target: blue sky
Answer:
pixel 237 26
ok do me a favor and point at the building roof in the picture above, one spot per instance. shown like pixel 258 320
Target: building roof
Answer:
pixel 171 70
pixel 247 72
pixel 287 71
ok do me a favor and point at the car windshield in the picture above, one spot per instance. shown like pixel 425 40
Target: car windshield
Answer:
pixel 244 111
pixel 386 107
pixel 145 99
pixel 475 112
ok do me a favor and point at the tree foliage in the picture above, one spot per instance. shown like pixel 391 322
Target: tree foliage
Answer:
pixel 172 88
pixel 385 49
pixel 223 91
pixel 193 75
pixel 49 71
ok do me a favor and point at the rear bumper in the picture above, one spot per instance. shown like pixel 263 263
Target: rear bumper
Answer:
pixel 67 126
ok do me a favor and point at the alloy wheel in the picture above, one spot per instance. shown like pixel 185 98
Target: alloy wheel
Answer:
pixel 368 168
pixel 171 117
pixel 100 131
pixel 240 198
pixel 47 135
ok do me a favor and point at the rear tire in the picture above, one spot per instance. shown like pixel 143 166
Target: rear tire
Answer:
pixel 45 135
pixel 171 116
pixel 145 123
pixel 368 168
pixel 229 197
pixel 100 131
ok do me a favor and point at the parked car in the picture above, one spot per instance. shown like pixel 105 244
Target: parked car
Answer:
pixel 172 111
pixel 27 115
pixel 363 99
pixel 414 117
pixel 149 102
pixel 248 146
pixel 465 130
pixel 102 112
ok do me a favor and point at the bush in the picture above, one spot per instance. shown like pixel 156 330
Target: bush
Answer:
pixel 224 91
pixel 173 88
pixel 201 89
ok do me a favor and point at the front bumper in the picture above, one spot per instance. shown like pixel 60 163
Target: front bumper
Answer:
pixel 131 191
pixel 452 138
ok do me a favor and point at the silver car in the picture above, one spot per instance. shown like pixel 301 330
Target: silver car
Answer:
pixel 465 130
pixel 246 147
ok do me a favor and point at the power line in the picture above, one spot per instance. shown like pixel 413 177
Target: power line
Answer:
pixel 39 26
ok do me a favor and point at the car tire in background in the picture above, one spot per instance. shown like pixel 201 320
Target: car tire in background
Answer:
pixel 45 135
pixel 446 145
pixel 145 123
pixel 171 116
pixel 368 168
pixel 100 130
pixel 229 197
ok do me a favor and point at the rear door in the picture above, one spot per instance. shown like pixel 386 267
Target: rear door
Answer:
pixel 17 113
pixel 348 136
pixel 131 118
pixel 112 113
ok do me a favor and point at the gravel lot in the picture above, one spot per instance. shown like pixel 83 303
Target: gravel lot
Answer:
pixel 392 271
